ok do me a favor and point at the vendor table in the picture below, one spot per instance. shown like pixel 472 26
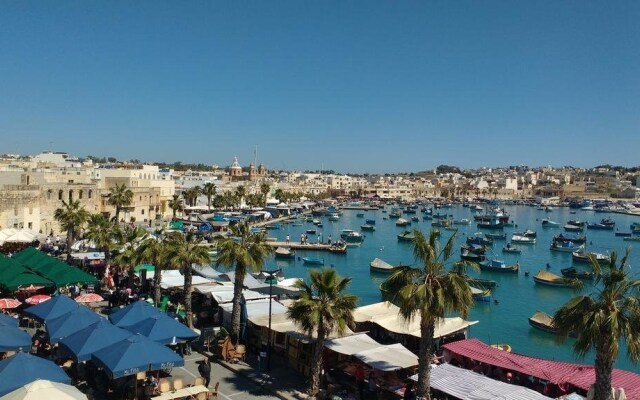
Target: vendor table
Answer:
pixel 184 392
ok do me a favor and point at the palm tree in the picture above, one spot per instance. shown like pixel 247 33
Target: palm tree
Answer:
pixel 175 204
pixel 119 197
pixel 279 195
pixel 264 190
pixel 183 252
pixel 71 217
pixel 241 191
pixel 322 308
pixel 209 190
pixel 106 234
pixel 128 254
pixel 244 251
pixel 154 251
pixel 601 320
pixel 429 292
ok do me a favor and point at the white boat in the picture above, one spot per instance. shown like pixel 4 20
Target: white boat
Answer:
pixel 402 222
pixel 587 208
pixel 334 217
pixel 378 265
pixel 523 239
pixel 463 221
pixel 351 236
pixel 547 223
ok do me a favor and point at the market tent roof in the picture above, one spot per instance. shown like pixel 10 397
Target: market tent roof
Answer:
pixel 94 337
pixel 208 272
pixel 163 329
pixel 71 275
pixel 224 294
pixel 44 389
pixel 14 339
pixel 71 323
pixel 173 278
pixel 136 354
pixel 59 272
pixel 282 324
pixel 27 254
pixel 556 372
pixel 390 357
pixel 387 316
pixel 56 307
pixel 5 233
pixel 24 279
pixel 258 308
pixel 8 320
pixel 21 236
pixel 9 267
pixel 22 368
pixel 133 313
pixel 465 384
pixel 350 345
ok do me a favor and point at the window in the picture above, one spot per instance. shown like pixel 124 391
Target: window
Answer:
pixel 60 195
pixel 90 193
pixel 70 195
pixel 80 193
pixel 142 211
pixel 48 194
pixel 30 225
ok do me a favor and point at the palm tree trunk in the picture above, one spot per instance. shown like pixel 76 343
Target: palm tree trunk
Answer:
pixel 603 367
pixel 69 242
pixel 117 215
pixel 157 278
pixel 424 358
pixel 316 365
pixel 188 288
pixel 236 311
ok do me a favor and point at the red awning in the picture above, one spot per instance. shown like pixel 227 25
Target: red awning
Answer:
pixel 559 373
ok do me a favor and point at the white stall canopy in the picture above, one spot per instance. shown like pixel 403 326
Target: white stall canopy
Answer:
pixel 378 356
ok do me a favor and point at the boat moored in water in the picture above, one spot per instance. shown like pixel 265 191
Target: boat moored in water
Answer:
pixel 523 239
pixel 549 279
pixel 582 256
pixel 499 266
pixel 566 247
pixel 367 227
pixel 313 261
pixel 351 236
pixel 283 252
pixel 406 236
pixel 509 248
pixel 572 272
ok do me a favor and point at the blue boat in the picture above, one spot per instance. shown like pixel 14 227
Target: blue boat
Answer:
pixel 313 261
pixel 370 222
pixel 499 266
pixel 483 295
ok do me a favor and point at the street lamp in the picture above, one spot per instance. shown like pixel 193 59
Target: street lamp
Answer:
pixel 271 275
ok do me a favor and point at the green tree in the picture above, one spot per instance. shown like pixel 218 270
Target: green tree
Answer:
pixel 322 308
pixel 106 234
pixel 601 320
pixel 429 292
pixel 240 192
pixel 264 190
pixel 279 195
pixel 120 197
pixel 185 251
pixel 71 217
pixel 155 251
pixel 209 190
pixel 175 204
pixel 245 252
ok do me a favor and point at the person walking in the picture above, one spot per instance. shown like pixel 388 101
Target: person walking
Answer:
pixel 205 371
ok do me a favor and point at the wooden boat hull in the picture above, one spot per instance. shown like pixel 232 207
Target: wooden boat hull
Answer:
pixel 550 283
pixel 312 261
pixel 511 269
pixel 573 273
pixel 481 283
pixel 543 327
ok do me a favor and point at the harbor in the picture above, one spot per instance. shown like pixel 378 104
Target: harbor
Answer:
pixel 518 296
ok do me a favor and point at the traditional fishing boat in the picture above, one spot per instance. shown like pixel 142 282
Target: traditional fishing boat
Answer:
pixel 311 231
pixel 572 272
pixel 474 248
pixel 632 239
pixel 543 321
pixel 499 266
pixel 483 295
pixel 479 238
pixel 523 239
pixel 497 236
pixel 313 261
pixel 351 236
pixel 582 256
pixel 273 226
pixel 463 221
pixel 502 346
pixel 334 217
pixel 509 248
pixel 565 247
pixel 527 233
pixel 480 283
pixel 338 247
pixel 549 279
pixel 378 265
pixel 623 234
pixel 547 223
pixel 604 224
pixel 406 236
pixel 491 224
pixel 415 219
pixel 576 222
pixel 573 228
pixel 367 227
pixel 370 222
pixel 283 252
pixel 402 222
pixel 469 256
pixel 566 238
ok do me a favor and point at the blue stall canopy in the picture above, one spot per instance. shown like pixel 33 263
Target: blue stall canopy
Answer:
pixel 136 354
pixel 22 368
pixel 163 329
pixel 71 323
pixel 14 339
pixel 51 309
pixel 133 313
pixel 82 344
pixel 8 320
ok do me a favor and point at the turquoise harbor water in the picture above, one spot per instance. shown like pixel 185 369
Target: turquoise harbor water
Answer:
pixel 519 297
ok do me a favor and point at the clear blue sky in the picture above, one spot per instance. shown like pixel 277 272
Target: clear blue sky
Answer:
pixel 360 86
